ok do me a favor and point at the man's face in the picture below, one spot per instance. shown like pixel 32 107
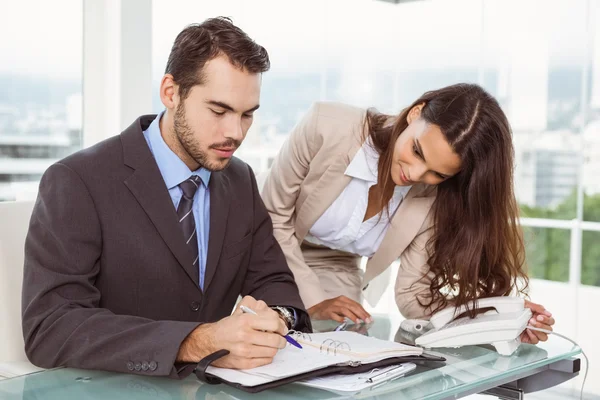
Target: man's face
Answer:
pixel 213 120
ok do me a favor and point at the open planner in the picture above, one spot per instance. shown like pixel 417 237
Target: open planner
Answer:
pixel 322 353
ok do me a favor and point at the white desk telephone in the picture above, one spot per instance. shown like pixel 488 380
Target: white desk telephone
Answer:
pixel 501 326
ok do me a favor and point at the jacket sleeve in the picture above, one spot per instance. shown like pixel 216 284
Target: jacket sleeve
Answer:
pixel 63 323
pixel 280 193
pixel 268 277
pixel 414 277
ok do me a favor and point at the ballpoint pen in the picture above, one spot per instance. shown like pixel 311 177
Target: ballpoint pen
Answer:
pixel 286 337
pixel 386 374
pixel 342 326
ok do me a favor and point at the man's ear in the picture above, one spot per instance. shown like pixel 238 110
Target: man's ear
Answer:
pixel 169 92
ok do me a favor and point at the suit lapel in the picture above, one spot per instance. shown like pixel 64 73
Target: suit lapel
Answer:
pixel 148 187
pixel 219 211
pixel 405 224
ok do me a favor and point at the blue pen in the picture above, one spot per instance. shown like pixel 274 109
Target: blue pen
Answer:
pixel 287 337
pixel 343 325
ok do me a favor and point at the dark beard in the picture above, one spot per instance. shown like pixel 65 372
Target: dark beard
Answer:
pixel 185 135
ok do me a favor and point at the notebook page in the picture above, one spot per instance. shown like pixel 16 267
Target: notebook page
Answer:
pixel 293 361
pixel 357 346
pixel 314 355
pixel 287 362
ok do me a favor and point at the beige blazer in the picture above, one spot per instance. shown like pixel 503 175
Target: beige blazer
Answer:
pixel 308 175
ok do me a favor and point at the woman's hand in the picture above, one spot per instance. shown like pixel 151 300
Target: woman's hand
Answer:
pixel 338 308
pixel 540 318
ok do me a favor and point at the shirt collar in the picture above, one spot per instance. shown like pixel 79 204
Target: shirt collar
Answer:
pixel 364 164
pixel 172 168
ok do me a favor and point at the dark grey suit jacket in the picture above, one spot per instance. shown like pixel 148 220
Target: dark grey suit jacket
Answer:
pixel 109 282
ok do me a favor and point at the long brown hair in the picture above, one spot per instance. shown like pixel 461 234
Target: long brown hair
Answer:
pixel 476 249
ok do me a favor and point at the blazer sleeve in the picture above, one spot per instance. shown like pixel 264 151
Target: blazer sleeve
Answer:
pixel 268 277
pixel 280 193
pixel 414 277
pixel 62 318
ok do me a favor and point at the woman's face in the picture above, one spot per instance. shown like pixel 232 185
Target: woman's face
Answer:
pixel 422 154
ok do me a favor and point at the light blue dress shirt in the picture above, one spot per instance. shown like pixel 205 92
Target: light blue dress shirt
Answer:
pixel 174 171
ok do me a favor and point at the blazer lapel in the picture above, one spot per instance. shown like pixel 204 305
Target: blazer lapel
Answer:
pixel 405 224
pixel 328 188
pixel 148 187
pixel 219 211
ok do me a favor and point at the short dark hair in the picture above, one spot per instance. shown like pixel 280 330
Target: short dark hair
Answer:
pixel 199 43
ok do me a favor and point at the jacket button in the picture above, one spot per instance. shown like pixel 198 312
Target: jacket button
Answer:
pixel 195 306
pixel 145 366
pixel 138 366
pixel 130 366
pixel 153 365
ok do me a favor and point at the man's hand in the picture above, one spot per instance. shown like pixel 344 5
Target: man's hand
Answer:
pixel 258 306
pixel 252 340
pixel 540 318
pixel 338 308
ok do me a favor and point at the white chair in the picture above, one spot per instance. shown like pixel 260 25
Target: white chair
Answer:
pixel 14 217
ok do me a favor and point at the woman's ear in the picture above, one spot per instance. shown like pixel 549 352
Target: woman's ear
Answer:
pixel 414 113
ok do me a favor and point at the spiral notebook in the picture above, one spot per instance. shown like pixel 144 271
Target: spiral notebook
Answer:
pixel 320 352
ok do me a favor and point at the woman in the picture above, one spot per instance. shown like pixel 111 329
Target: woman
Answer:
pixel 432 186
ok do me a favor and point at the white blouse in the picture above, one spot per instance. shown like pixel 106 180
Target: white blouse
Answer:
pixel 341 226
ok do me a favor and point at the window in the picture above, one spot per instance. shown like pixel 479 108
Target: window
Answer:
pixel 590 259
pixel 535 70
pixel 548 252
pixel 40 101
pixel 591 127
pixel 385 56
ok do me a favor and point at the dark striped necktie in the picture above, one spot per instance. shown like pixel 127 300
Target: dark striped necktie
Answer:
pixel 186 215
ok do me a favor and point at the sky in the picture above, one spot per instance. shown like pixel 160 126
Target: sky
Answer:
pixel 44 38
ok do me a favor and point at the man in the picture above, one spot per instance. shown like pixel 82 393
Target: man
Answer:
pixel 139 246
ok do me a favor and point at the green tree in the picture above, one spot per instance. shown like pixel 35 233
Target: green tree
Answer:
pixel 548 249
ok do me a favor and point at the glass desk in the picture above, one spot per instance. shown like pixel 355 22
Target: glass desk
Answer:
pixel 468 370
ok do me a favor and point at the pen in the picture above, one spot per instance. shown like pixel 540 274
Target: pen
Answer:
pixel 341 327
pixel 383 375
pixel 286 337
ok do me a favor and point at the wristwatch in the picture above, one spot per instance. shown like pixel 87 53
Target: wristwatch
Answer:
pixel 287 315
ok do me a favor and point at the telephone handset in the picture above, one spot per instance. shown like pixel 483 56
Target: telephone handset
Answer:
pixel 501 326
